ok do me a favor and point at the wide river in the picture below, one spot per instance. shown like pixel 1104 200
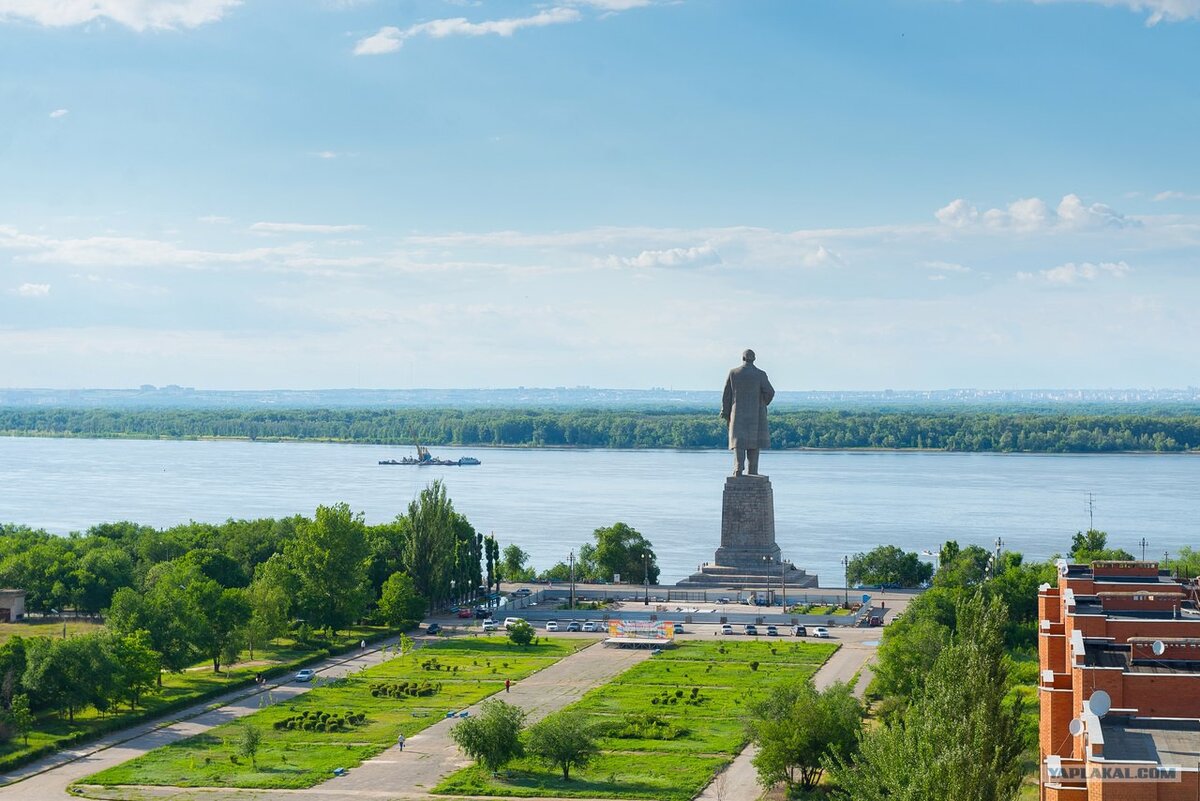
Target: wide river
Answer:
pixel 827 503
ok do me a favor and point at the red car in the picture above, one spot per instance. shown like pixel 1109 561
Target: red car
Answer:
pixel 464 612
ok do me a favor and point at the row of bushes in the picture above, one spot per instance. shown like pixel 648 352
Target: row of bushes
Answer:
pixel 316 720
pixel 405 689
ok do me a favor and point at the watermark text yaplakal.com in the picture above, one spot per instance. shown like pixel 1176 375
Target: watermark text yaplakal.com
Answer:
pixel 1111 773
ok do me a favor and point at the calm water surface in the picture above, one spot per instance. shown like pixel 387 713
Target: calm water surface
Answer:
pixel 827 504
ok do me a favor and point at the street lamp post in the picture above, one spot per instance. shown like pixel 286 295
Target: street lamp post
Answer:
pixel 767 559
pixel 646 576
pixel 572 561
pixel 846 574
pixel 783 583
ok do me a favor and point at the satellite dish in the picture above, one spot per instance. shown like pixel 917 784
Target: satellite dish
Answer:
pixel 1099 703
pixel 1076 727
pixel 1043 586
pixel 1158 648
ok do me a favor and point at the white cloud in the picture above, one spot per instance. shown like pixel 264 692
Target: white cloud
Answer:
pixel 614 5
pixel 302 228
pixel 390 38
pixel 821 257
pixel 1073 273
pixel 214 219
pixel 33 290
pixel 1172 194
pixel 136 14
pixel 945 267
pixel 1034 214
pixel 699 256
pixel 59 113
pixel 325 154
pixel 1156 10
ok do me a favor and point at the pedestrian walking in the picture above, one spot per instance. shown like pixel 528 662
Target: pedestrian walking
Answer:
pixel 363 645
pixel 400 742
pixel 507 684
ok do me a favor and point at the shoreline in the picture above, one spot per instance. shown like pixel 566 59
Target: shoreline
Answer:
pixel 533 446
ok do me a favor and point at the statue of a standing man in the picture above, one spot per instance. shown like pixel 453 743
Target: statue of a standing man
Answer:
pixel 744 406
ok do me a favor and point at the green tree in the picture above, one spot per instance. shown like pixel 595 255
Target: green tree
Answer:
pixel 101 571
pixel 269 606
pixel 137 665
pixel 329 557
pixel 960 738
pixel 798 729
pixel 521 633
pixel 20 716
pixel 1092 546
pixel 564 740
pixel 429 557
pixel 622 550
pixel 888 564
pixel 224 613
pixel 514 564
pixel 905 656
pixel 492 738
pixel 248 743
pixel 400 606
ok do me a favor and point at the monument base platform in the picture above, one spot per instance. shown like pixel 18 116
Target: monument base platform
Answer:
pixel 743 577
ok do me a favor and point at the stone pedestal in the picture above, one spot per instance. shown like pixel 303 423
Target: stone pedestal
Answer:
pixel 747 524
pixel 748 557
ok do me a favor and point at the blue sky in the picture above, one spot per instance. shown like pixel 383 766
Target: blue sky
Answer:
pixel 330 193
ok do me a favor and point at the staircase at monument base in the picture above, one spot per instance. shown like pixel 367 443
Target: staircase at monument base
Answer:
pixel 748 557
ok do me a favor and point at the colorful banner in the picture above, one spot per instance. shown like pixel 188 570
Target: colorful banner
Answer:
pixel 642 629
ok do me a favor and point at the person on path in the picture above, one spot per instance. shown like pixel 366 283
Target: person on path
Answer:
pixel 400 741
pixel 507 684
pixel 363 645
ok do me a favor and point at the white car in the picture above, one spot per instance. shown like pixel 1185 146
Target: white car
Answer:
pixel 509 622
pixel 306 674
pixel 490 625
pixel 591 625
pixel 820 631
pixel 727 629
pixel 552 625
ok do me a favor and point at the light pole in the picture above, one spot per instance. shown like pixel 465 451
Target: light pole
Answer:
pixel 571 558
pixel 1144 544
pixel 646 576
pixel 846 574
pixel 783 583
pixel 767 559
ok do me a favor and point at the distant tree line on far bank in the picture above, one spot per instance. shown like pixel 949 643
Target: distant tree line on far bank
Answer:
pixel 1074 430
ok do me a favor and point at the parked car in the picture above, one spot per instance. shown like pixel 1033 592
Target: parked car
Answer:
pixel 490 625
pixel 433 628
pixel 524 592
pixel 679 629
pixel 551 625
pixel 752 629
pixel 509 622
pixel 772 631
pixel 482 613
pixel 574 625
pixel 722 600
pixel 800 631
pixel 820 631
pixel 306 674
pixel 726 629
pixel 464 612
pixel 591 625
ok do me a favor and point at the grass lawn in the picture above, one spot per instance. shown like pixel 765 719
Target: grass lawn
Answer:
pixel 668 724
pixel 178 689
pixel 36 627
pixel 465 670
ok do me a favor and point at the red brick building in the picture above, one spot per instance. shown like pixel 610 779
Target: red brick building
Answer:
pixel 1133 632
